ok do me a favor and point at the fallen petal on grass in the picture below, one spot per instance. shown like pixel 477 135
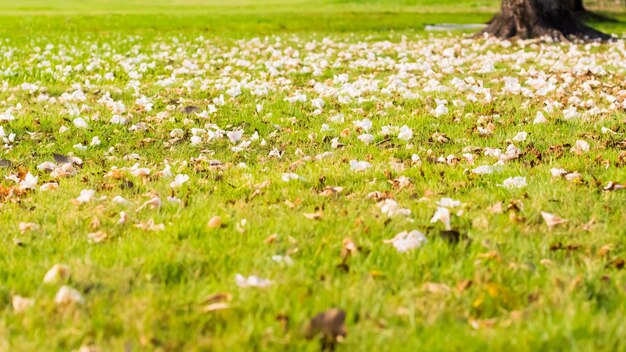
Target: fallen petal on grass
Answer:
pixel 552 220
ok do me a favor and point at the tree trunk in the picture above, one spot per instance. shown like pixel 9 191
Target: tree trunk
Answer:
pixel 576 6
pixel 524 19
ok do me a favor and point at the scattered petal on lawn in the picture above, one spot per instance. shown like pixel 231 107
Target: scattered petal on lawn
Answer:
pixel 179 180
pixel 335 144
pixel 440 137
pixel 119 200
pixel 96 237
pixel 366 138
pixel 153 203
pixel 449 203
pixel 79 146
pixel 50 186
pixel 552 220
pixel 13 178
pixel 58 273
pixel 67 295
pixel 150 226
pixel 574 177
pixel 487 169
pixel 442 215
pixel 28 227
pixel 436 288
pixel 514 182
pixel 496 208
pixel 21 304
pixel 7 116
pixel 251 281
pixel 391 208
pixel 166 172
pixel 139 171
pixel 605 130
pixel 95 141
pixel 123 218
pixel 177 133
pixel 378 196
pixel 65 170
pixel 364 124
pixel 486 131
pixel 558 172
pixel 196 140
pixel 29 182
pixel 401 182
pixel 288 176
pixel 283 260
pixel 520 137
pixel 405 241
pixel 348 248
pixel 86 195
pixel 439 110
pixel 174 200
pixel 539 118
pixel 234 136
pixel 614 186
pixel 570 113
pixel 118 120
pixel 275 153
pixel 46 166
pixel 240 226
pixel 80 123
pixel 337 118
pixel 580 147
pixel 324 155
pixel 359 165
pixel 511 152
pixel 405 133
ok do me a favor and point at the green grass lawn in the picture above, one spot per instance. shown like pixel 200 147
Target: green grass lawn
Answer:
pixel 266 107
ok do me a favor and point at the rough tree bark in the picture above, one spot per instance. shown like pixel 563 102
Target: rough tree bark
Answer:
pixel 525 19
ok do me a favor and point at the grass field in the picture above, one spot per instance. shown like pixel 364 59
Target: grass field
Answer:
pixel 291 142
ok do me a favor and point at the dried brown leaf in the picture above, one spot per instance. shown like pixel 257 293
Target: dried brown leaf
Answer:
pixel 314 216
pixel 330 326
pixel 329 191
